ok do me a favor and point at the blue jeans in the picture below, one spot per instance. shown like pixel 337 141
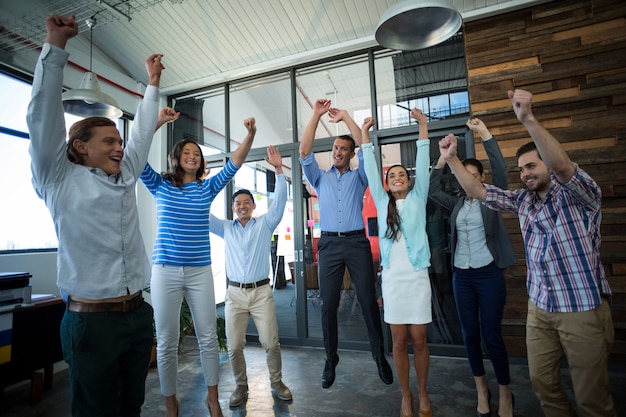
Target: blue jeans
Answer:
pixel 108 356
pixel 480 295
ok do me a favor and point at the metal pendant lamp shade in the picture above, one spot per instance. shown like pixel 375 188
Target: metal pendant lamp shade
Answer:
pixel 89 101
pixel 410 25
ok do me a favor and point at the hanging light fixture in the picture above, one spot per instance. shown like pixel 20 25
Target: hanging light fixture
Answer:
pixel 88 100
pixel 417 24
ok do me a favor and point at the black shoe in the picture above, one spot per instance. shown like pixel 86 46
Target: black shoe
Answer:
pixel 384 370
pixel 328 376
pixel 512 404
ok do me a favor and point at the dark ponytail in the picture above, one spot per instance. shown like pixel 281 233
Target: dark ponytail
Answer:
pixel 393 216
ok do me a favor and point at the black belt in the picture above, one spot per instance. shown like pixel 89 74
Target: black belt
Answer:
pixel 249 285
pixel 113 307
pixel 345 234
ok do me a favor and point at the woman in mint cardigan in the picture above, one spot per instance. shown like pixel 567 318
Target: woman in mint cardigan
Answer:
pixel 405 258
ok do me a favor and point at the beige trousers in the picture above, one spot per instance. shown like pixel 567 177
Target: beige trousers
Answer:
pixel 240 305
pixel 584 339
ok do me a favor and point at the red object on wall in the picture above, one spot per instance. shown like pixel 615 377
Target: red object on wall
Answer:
pixel 369 211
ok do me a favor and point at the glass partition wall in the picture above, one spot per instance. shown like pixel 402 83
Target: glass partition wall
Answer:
pixel 380 82
pixel 25 222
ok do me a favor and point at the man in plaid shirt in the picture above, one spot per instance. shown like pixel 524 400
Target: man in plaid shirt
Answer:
pixel 569 315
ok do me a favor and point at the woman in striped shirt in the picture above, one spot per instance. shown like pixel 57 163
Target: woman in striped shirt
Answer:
pixel 181 260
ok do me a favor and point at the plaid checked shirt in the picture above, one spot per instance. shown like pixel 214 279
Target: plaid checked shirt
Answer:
pixel 562 239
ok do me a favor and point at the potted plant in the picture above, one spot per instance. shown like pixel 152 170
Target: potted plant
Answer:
pixel 186 327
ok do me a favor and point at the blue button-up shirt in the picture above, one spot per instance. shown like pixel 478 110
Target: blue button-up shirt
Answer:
pixel 340 196
pixel 248 248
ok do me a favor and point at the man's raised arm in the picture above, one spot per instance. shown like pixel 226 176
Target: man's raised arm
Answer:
pixel 549 148
pixel 320 107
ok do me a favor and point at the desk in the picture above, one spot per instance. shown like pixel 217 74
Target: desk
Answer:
pixel 35 345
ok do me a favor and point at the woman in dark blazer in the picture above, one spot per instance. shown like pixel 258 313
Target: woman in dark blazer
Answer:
pixel 480 249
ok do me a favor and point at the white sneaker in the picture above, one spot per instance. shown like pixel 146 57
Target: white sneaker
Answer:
pixel 282 391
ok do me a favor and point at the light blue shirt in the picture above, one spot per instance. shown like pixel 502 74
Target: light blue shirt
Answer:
pixel 248 248
pixel 340 196
pixel 471 244
pixel 101 252
pixel 413 215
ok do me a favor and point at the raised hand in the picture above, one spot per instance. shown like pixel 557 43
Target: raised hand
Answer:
pixel 60 29
pixel 240 154
pixel 367 123
pixel 336 115
pixel 273 157
pixel 321 106
pixel 154 67
pixel 250 125
pixel 477 125
pixel 167 115
pixel 419 115
pixel 365 129
pixel 522 104
pixel 447 147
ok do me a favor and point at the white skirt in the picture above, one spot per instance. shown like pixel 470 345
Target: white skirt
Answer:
pixel 406 292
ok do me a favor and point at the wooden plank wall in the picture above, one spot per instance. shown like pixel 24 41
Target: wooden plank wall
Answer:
pixel 572 56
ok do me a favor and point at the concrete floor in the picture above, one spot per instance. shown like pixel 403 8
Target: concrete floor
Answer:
pixel 357 391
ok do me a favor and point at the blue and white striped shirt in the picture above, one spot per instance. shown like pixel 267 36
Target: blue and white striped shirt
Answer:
pixel 183 216
pixel 562 237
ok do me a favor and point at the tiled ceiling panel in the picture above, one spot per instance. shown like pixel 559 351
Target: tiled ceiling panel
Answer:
pixel 209 41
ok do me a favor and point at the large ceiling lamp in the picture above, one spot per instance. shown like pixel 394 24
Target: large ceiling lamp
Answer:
pixel 410 25
pixel 88 100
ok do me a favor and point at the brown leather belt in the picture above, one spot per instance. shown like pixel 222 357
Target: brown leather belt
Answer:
pixel 115 307
pixel 250 285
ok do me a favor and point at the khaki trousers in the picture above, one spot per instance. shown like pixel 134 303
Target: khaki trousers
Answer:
pixel 584 339
pixel 240 305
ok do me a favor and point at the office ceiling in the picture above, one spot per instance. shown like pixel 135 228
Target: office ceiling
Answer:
pixel 208 41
